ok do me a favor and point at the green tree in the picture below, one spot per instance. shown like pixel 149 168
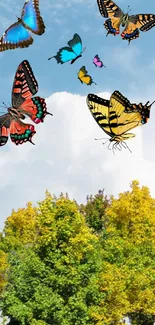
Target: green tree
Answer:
pixel 61 271
pixel 94 210
pixel 3 270
pixel 55 279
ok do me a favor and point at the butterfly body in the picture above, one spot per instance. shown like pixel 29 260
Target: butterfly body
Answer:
pixel 79 56
pixel 71 52
pixel 17 35
pixel 23 104
pixel 116 18
pixel 117 116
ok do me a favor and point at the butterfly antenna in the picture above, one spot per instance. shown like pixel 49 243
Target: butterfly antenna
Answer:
pixel 83 49
pixel 51 57
pixel 4 105
pixel 94 83
pixel 100 139
pixel 128 9
pixel 151 103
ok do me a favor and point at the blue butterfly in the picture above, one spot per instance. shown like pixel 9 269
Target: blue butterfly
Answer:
pixel 17 35
pixel 71 53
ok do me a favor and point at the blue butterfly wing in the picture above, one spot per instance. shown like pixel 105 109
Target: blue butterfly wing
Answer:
pixel 76 44
pixel 65 54
pixel 31 17
pixel 15 36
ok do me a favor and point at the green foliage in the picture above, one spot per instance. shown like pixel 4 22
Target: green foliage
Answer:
pixel 53 281
pixel 94 210
pixel 88 265
pixel 141 319
pixel 3 269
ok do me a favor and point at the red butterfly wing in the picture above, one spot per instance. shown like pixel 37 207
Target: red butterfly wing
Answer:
pixel 20 132
pixel 35 108
pixel 25 84
pixel 5 121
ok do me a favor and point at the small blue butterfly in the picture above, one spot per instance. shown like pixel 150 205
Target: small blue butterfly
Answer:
pixel 17 35
pixel 71 53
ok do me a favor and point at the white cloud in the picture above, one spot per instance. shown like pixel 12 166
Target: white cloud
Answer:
pixel 67 158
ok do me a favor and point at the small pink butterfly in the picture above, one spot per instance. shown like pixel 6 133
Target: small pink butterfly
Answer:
pixel 97 62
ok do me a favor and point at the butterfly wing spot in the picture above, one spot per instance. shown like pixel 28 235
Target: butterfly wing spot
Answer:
pixel 35 108
pixel 130 33
pixel 110 27
pixel 20 132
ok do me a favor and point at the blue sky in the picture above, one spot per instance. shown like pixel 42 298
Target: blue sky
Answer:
pixel 126 65
pixel 66 157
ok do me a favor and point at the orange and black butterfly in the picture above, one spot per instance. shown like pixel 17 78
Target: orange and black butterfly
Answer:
pixel 132 24
pixel 24 87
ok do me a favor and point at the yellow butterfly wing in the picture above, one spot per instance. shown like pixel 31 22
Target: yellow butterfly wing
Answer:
pixel 82 73
pixel 121 121
pixel 99 108
pixel 144 110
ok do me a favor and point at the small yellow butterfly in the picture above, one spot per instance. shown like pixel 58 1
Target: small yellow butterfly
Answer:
pixel 84 77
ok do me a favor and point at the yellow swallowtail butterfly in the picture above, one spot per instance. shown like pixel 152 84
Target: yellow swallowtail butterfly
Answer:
pixel 117 116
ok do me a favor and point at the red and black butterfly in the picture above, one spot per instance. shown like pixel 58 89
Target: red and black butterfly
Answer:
pixel 24 87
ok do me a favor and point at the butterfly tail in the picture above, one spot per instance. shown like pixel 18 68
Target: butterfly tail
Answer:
pixel 48 113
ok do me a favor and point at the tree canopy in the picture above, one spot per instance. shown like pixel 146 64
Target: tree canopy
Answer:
pixel 61 263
